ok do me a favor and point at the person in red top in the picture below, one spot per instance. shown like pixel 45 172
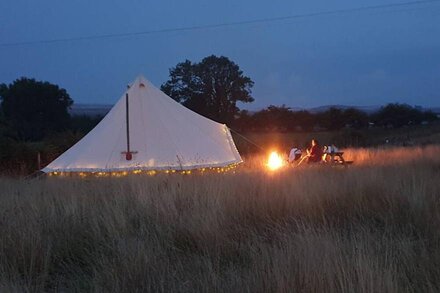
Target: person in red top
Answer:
pixel 314 153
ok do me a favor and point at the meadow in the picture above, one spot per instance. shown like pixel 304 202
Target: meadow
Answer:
pixel 371 227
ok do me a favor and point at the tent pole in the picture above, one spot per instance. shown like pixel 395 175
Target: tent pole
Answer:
pixel 128 153
pixel 127 120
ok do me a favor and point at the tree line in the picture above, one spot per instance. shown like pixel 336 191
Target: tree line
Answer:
pixel 284 119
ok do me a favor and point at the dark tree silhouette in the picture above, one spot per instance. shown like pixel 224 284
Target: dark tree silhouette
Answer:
pixel 398 115
pixel 211 88
pixel 332 119
pixel 277 118
pixel 355 118
pixel 304 120
pixel 33 109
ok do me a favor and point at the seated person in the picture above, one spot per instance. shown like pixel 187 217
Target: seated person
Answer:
pixel 294 155
pixel 328 151
pixel 314 153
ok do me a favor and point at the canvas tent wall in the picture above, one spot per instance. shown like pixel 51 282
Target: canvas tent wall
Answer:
pixel 162 135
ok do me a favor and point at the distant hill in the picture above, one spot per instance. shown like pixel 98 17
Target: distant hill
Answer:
pixel 89 109
pixel 367 109
pixel 436 110
pixel 101 110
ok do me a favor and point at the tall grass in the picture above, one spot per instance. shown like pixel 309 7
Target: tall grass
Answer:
pixel 373 227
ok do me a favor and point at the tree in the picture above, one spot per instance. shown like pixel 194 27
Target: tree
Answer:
pixel 355 118
pixel 244 122
pixel 34 109
pixel 211 87
pixel 332 119
pixel 84 123
pixel 398 115
pixel 277 118
pixel 304 120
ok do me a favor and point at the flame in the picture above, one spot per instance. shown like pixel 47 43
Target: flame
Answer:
pixel 275 161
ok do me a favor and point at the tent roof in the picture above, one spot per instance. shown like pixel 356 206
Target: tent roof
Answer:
pixel 163 135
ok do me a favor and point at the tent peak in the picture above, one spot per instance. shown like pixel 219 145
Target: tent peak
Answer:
pixel 141 82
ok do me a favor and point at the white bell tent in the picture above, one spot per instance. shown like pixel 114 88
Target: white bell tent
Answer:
pixel 147 130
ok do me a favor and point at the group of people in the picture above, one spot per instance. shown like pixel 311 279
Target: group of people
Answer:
pixel 315 153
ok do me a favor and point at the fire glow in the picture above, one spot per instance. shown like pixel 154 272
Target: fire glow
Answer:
pixel 275 161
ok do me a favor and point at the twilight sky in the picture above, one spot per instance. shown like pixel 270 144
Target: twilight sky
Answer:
pixel 363 58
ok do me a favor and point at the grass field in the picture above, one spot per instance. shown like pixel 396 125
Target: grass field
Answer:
pixel 372 227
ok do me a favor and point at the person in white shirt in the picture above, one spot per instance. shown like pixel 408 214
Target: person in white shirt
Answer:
pixel 294 155
pixel 328 151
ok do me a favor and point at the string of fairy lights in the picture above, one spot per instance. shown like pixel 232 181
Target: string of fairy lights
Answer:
pixel 226 169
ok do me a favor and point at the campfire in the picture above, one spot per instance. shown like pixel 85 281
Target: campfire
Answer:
pixel 275 161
